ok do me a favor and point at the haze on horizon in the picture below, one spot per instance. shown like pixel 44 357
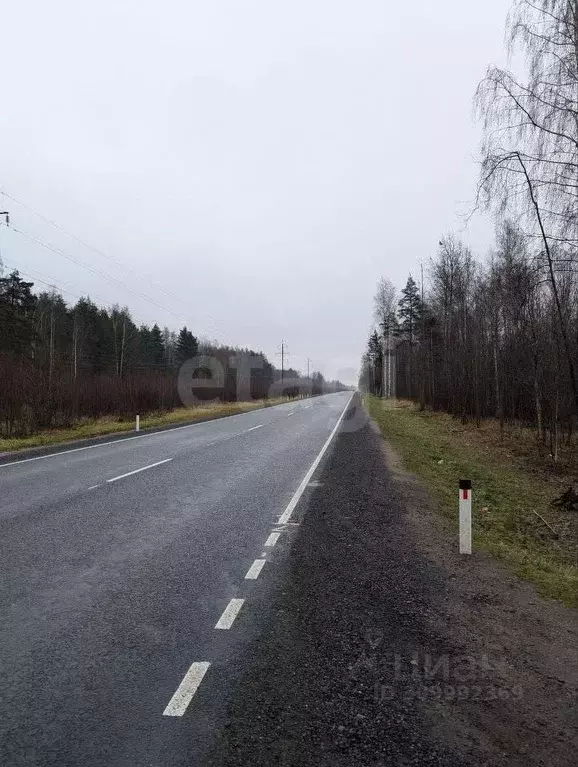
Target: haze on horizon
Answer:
pixel 259 165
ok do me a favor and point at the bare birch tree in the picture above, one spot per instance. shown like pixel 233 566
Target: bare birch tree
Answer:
pixel 530 153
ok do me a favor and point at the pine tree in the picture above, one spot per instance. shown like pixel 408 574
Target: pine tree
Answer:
pixel 157 348
pixel 390 325
pixel 374 347
pixel 375 357
pixel 410 310
pixel 187 346
pixel 86 336
pixel 152 352
pixel 16 314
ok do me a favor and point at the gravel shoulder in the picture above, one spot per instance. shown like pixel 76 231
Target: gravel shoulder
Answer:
pixel 385 647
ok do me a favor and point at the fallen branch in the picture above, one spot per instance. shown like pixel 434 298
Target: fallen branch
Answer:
pixel 548 525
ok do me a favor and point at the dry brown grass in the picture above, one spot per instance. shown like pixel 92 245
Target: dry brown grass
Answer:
pixel 110 425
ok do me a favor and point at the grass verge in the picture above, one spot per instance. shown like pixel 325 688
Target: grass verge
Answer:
pixel 113 425
pixel 507 491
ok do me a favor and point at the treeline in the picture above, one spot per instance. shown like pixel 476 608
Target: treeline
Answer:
pixel 59 363
pixel 500 338
pixel 484 341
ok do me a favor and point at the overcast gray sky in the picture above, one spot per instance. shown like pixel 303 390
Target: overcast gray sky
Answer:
pixel 264 162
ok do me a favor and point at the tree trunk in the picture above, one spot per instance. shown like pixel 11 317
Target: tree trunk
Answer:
pixel 499 398
pixel 561 320
pixel 538 402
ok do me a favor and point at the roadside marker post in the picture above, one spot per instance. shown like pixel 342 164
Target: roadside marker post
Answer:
pixel 465 516
pixel 138 423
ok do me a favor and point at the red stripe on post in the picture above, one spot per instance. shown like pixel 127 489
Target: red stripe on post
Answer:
pixel 465 494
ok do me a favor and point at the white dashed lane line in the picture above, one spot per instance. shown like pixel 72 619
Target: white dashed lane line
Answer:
pixel 272 539
pixel 137 471
pixel 187 688
pixel 179 702
pixel 229 614
pixel 255 569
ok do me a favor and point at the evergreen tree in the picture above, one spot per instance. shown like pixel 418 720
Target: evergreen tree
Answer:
pixel 144 347
pixel 152 355
pixel 16 314
pixel 157 348
pixel 85 336
pixel 374 347
pixel 187 346
pixel 375 358
pixel 390 325
pixel 104 347
pixel 410 310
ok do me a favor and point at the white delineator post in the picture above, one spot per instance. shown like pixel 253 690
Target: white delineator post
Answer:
pixel 138 423
pixel 465 516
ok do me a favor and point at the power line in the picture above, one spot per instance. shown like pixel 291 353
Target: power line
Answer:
pixel 33 274
pixel 117 262
pixel 48 281
pixel 99 272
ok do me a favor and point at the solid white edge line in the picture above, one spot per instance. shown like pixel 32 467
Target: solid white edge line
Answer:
pixel 255 569
pixel 272 539
pixel 144 436
pixel 285 517
pixel 229 614
pixel 137 471
pixel 177 705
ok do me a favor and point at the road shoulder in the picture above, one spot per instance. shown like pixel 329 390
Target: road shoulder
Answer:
pixel 38 451
pixel 385 647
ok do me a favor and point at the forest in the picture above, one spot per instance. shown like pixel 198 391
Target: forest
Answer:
pixel 60 363
pixel 498 336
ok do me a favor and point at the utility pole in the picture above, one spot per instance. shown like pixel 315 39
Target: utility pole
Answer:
pixel 422 344
pixel 283 354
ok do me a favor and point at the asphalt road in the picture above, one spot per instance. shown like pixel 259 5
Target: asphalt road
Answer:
pixel 119 561
pixel 332 680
